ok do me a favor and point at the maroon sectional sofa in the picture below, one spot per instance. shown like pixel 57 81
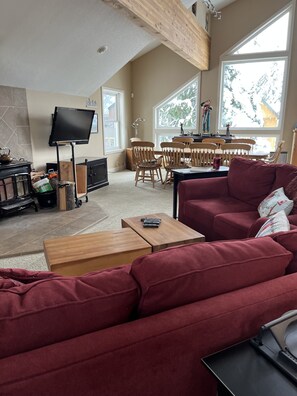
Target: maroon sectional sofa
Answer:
pixel 141 329
pixel 226 207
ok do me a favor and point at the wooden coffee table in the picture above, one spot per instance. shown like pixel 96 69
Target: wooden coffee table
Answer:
pixel 170 232
pixel 79 254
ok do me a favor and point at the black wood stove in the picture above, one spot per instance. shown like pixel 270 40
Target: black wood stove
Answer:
pixel 15 187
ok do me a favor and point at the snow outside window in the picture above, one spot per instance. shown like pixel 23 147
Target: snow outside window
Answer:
pixel 181 107
pixel 253 82
pixel 112 102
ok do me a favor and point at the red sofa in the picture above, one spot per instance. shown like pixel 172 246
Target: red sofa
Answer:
pixel 141 329
pixel 226 207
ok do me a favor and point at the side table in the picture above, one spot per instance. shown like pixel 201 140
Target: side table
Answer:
pixel 242 371
pixel 194 173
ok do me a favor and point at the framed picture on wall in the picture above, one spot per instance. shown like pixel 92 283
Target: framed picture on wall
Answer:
pixel 94 128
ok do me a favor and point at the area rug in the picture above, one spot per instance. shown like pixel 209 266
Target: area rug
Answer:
pixel 25 232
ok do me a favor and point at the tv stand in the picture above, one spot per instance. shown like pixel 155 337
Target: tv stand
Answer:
pixel 69 171
pixel 97 174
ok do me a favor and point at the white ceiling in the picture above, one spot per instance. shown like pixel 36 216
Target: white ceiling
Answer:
pixel 51 45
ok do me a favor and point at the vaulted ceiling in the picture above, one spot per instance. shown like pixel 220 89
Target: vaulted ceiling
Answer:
pixel 51 45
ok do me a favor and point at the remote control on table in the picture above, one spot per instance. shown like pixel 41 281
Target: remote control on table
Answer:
pixel 151 220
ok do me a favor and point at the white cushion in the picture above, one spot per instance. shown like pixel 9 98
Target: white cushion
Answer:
pixel 275 202
pixel 276 223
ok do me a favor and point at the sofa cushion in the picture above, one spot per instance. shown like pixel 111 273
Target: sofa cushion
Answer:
pixel 291 192
pixel 276 223
pixel 185 274
pixel 275 202
pixel 203 211
pixel 250 181
pixel 234 225
pixel 284 174
pixel 58 308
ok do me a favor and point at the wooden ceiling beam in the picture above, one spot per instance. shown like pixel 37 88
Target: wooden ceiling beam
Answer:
pixel 173 25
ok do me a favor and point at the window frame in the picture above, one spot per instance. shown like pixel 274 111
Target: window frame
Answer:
pixel 119 119
pixel 229 57
pixel 175 131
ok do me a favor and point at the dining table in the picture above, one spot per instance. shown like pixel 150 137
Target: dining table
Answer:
pixel 253 154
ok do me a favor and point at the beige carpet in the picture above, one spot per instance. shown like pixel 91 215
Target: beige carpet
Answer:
pixel 24 232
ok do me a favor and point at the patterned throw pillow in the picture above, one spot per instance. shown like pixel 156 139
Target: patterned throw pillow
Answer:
pixel 276 223
pixel 291 192
pixel 275 202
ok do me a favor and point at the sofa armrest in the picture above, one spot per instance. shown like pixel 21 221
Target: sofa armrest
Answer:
pixel 258 224
pixel 203 188
pixel 256 227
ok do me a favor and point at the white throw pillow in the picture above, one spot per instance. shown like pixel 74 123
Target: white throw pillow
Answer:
pixel 275 202
pixel 276 223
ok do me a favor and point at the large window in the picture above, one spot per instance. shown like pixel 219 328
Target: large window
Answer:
pixel 180 109
pixel 112 103
pixel 253 81
pixel 253 93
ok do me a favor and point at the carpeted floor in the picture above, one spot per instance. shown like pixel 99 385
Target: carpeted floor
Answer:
pixel 24 232
pixel 118 200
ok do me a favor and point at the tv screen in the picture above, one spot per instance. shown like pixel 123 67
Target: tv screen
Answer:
pixel 71 125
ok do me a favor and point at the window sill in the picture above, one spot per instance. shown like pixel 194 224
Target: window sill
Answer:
pixel 115 151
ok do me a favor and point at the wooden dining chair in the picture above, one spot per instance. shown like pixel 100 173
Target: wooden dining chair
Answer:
pixel 252 142
pixel 218 141
pixel 231 150
pixel 202 154
pixel 173 158
pixel 187 140
pixel 148 166
pixel 273 158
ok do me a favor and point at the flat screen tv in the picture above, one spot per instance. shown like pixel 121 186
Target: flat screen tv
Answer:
pixel 71 125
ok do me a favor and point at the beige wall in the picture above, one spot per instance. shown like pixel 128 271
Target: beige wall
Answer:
pixel 151 78
pixel 238 21
pixel 41 106
pixel 121 81
pixel 156 75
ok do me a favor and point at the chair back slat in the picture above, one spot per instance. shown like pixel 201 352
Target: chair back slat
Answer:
pixel 173 158
pixel 173 154
pixel 202 154
pixel 218 141
pixel 273 159
pixel 231 150
pixel 143 151
pixel 252 142
pixel 187 140
pixel 147 165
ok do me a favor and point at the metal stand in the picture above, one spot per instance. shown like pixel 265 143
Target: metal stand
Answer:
pixel 78 202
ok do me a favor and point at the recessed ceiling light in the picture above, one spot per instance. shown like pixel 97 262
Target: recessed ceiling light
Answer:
pixel 102 49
